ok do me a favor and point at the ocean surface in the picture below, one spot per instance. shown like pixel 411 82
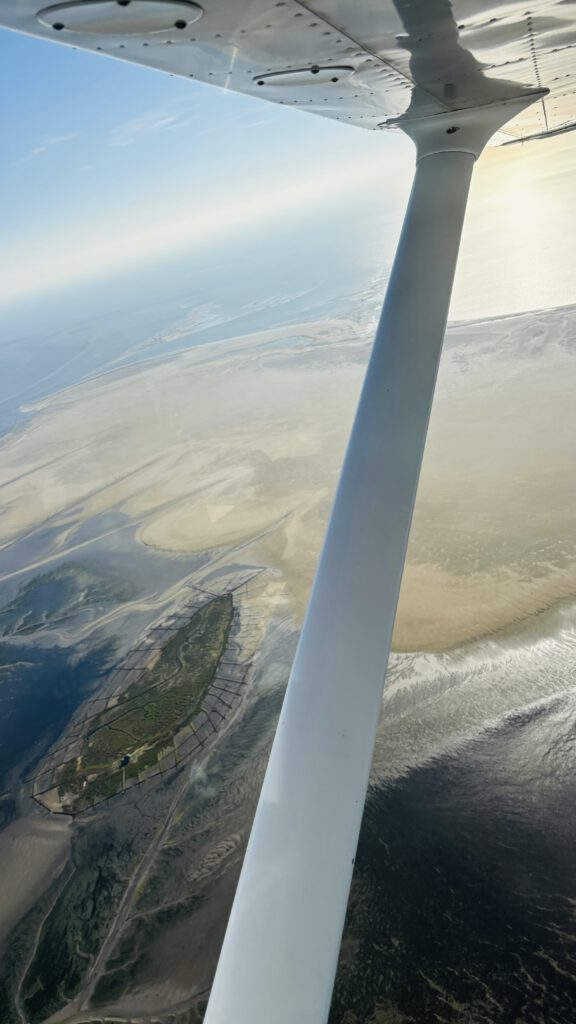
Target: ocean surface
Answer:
pixel 464 905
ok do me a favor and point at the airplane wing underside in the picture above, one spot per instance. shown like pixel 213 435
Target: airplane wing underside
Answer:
pixel 363 63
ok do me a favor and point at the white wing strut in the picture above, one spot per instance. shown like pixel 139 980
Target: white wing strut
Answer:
pixel 279 956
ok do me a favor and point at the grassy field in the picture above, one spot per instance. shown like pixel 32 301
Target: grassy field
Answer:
pixel 125 740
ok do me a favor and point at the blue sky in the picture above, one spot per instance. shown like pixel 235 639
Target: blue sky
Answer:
pixel 106 161
pixel 107 165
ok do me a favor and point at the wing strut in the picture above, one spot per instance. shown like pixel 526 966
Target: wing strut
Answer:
pixel 280 952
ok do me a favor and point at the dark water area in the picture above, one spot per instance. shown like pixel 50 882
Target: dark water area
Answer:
pixel 33 547
pixel 464 900
pixel 38 545
pixel 104 523
pixel 104 544
pixel 39 690
pixel 148 569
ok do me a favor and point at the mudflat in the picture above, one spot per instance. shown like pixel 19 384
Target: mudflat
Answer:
pixel 33 851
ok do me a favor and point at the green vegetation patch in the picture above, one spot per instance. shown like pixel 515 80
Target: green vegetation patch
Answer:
pixel 125 740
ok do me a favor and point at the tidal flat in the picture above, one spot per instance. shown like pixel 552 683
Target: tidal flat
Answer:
pixel 177 473
pixel 236 445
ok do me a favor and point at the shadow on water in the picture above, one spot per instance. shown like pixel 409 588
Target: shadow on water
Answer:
pixel 464 900
pixel 39 689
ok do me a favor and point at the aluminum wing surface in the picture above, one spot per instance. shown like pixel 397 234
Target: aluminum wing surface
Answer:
pixel 363 62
